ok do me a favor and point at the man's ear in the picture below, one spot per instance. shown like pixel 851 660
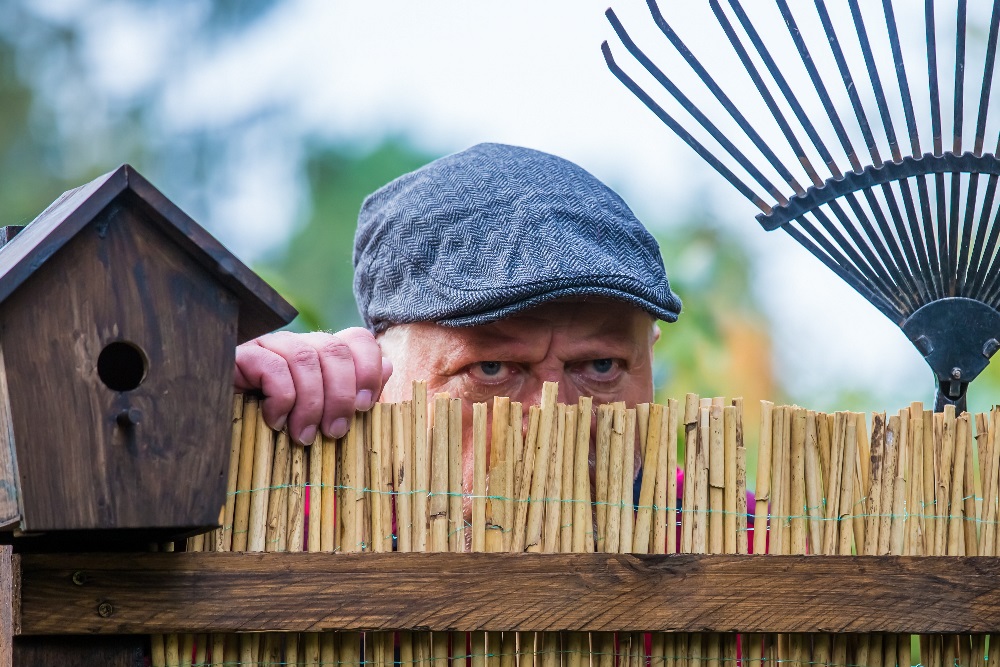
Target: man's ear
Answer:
pixel 656 332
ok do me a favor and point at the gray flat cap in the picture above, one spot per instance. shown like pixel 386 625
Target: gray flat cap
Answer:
pixel 483 234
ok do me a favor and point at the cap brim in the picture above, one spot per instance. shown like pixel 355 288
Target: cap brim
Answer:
pixel 509 310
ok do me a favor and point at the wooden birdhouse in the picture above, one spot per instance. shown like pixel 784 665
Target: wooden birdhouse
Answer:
pixel 119 318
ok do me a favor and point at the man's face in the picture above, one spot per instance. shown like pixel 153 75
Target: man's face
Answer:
pixel 596 348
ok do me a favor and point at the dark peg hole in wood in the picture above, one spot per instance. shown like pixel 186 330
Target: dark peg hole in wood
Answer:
pixel 121 366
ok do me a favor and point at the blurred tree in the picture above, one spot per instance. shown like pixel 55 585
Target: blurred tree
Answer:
pixel 62 122
pixel 720 346
pixel 314 269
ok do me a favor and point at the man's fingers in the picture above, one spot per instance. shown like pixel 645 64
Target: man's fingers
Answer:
pixel 258 368
pixel 313 381
pixel 304 368
pixel 352 372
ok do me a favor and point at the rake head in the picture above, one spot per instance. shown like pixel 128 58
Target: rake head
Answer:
pixel 915 234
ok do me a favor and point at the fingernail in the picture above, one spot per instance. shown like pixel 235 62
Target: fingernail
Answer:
pixel 363 401
pixel 339 429
pixel 308 435
pixel 279 423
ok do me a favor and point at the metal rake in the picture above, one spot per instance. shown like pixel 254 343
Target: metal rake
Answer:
pixel 916 234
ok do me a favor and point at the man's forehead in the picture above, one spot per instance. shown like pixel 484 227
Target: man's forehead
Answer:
pixel 575 318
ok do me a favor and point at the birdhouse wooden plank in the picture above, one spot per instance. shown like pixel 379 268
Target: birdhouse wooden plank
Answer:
pixel 119 318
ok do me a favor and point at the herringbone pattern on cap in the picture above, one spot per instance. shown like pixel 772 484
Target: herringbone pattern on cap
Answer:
pixel 482 234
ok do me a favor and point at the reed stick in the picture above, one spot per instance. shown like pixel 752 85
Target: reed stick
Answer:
pixel 568 469
pixel 862 476
pixel 438 499
pixel 533 530
pixel 889 463
pixel 421 469
pixel 378 490
pixel 970 514
pixel 402 470
pixel 655 433
pixel 957 444
pixel 897 529
pixel 628 483
pixel 716 479
pixel 831 529
pixel 779 479
pixel 730 487
pixel 847 491
pixel 583 531
pixel 814 481
pixel 497 475
pixel 691 417
pixel 615 479
pixel 553 485
pixel 241 515
pixel 669 474
pixel 479 479
pixel 797 489
pixel 263 455
pixel 525 480
pixel 224 535
pixel 277 510
pixel 605 415
pixel 386 486
pixel 984 434
pixel 702 497
pixel 914 499
pixel 763 497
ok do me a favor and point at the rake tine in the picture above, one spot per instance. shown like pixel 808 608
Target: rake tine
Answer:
pixel 901 273
pixel 901 78
pixel 979 257
pixel 958 260
pixel 991 289
pixel 765 93
pixel 959 76
pixel 935 99
pixel 874 239
pixel 721 96
pixel 685 136
pixel 928 258
pixel 915 251
pixel 817 82
pixel 929 240
pixel 865 243
pixel 975 261
pixel 988 66
pixel 785 89
pixel 849 84
pixel 876 80
pixel 859 283
pixel 913 277
pixel 932 76
pixel 970 214
pixel 883 281
pixel 910 268
pixel 926 275
pixel 689 106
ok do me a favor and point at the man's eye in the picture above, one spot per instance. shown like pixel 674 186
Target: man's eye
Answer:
pixel 603 366
pixel 491 368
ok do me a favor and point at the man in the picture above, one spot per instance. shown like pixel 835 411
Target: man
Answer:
pixel 485 273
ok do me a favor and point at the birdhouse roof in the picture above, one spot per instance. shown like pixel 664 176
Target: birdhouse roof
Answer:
pixel 261 308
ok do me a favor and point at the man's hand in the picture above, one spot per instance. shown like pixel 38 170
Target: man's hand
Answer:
pixel 313 380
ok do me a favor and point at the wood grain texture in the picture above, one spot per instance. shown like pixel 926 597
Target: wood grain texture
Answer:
pixel 205 592
pixel 79 469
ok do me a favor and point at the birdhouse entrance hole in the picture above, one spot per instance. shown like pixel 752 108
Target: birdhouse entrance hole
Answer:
pixel 121 366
